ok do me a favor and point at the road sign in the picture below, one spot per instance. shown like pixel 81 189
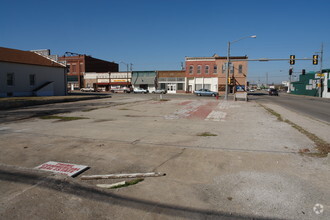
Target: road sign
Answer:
pixel 62 168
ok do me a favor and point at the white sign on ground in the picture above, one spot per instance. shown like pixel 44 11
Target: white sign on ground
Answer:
pixel 62 168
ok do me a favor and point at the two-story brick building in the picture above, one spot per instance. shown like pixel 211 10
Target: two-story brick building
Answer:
pixel 210 73
pixel 79 64
pixel 238 69
pixel 201 72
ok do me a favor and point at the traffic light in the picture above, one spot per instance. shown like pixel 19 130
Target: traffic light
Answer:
pixel 290 71
pixel 231 80
pixel 315 59
pixel 292 59
pixel 303 71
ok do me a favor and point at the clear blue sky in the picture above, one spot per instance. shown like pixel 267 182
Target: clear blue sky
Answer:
pixel 158 34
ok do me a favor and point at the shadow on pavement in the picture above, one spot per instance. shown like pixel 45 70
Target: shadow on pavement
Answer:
pixel 70 187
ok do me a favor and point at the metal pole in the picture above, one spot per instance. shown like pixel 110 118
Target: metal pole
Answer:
pixel 227 72
pixel 321 66
pixel 127 77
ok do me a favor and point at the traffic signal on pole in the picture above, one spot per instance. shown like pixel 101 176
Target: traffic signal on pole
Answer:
pixel 290 71
pixel 292 59
pixel 229 80
pixel 303 71
pixel 315 59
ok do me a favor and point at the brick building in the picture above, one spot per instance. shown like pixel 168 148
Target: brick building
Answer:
pixel 238 69
pixel 201 72
pixel 210 73
pixel 79 64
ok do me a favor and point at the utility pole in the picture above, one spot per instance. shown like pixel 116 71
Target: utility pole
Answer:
pixel 290 78
pixel 321 66
pixel 227 72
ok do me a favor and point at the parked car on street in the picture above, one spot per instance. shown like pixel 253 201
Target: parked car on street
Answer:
pixel 273 92
pixel 140 90
pixel 89 89
pixel 120 90
pixel 159 91
pixel 205 92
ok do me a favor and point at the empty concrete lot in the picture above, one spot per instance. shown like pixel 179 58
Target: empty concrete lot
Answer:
pixel 223 160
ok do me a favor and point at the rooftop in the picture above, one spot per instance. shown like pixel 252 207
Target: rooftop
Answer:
pixel 25 57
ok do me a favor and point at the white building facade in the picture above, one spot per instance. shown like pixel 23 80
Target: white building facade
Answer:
pixel 24 73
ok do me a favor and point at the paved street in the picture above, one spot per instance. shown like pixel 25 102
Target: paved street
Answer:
pixel 223 160
pixel 314 107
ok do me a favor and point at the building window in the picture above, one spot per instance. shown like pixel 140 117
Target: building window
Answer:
pixel 10 79
pixel 224 67
pixel 198 86
pixel 191 69
pixel 207 86
pixel 180 86
pixel 162 86
pixel 199 67
pixel 74 69
pixel 32 79
pixel 207 69
pixel 232 68
pixel 240 68
pixel 81 68
pixel 215 69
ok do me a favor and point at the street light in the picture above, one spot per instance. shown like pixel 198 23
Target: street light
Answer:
pixel 228 60
pixel 126 73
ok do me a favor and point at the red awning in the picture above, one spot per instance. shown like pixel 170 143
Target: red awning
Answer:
pixel 114 83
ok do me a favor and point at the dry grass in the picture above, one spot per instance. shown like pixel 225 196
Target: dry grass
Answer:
pixel 322 146
pixel 206 134
pixel 62 118
pixel 128 183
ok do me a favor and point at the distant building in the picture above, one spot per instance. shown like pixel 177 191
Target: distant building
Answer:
pixel 108 80
pixel 238 70
pixel 46 53
pixel 201 72
pixel 145 80
pixel 79 64
pixel 173 81
pixel 25 73
pixel 309 84
pixel 210 73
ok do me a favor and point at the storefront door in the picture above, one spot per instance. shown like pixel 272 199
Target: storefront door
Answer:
pixel 171 88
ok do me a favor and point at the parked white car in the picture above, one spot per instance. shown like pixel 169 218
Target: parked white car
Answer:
pixel 159 91
pixel 120 90
pixel 89 89
pixel 140 90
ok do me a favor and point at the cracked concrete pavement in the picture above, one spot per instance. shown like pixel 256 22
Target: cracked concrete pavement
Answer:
pixel 250 169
